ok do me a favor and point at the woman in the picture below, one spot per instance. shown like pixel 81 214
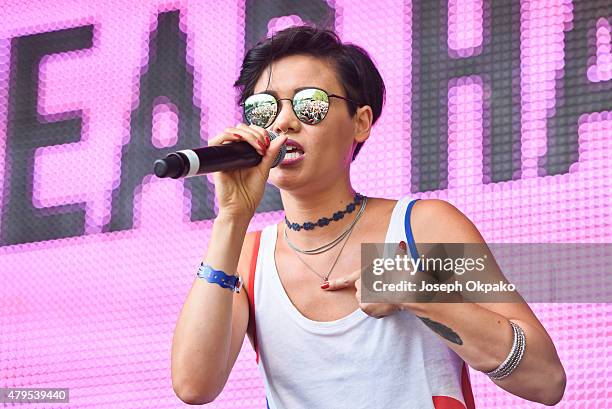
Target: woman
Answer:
pixel 318 345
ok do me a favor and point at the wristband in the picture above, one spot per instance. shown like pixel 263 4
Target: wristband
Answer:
pixel 233 282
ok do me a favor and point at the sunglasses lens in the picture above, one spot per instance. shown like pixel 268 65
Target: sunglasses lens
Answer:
pixel 311 105
pixel 260 110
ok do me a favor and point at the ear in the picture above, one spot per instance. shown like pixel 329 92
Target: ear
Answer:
pixel 362 123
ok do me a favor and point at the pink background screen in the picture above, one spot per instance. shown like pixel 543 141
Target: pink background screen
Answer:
pixel 95 310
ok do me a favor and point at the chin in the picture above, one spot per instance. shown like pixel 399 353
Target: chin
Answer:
pixel 282 180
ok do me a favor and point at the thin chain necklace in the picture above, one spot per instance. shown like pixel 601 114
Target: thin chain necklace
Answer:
pixel 347 233
pixel 332 243
pixel 326 276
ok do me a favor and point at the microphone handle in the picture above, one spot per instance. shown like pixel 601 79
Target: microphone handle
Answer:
pixel 194 162
pixel 227 157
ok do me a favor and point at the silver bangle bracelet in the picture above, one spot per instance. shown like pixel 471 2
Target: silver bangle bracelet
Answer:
pixel 514 357
pixel 514 361
pixel 504 364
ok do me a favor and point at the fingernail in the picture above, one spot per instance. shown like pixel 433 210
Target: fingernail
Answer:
pixel 402 245
pixel 325 285
pixel 263 147
pixel 267 140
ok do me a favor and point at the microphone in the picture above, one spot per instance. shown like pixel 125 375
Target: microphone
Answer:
pixel 193 162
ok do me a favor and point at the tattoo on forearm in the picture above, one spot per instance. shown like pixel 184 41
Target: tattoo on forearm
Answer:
pixel 442 330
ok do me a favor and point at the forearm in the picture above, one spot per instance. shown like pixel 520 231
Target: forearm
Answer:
pixel 483 339
pixel 200 347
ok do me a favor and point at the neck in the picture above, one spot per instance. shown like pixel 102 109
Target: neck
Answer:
pixel 300 208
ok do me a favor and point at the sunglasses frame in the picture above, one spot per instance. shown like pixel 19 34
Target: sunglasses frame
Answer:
pixel 291 100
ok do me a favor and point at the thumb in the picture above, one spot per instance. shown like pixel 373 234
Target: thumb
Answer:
pixel 275 146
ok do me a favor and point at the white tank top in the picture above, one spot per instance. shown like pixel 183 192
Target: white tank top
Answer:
pixel 356 361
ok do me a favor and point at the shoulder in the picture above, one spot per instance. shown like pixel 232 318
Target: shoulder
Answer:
pixel 436 220
pixel 381 205
pixel 378 209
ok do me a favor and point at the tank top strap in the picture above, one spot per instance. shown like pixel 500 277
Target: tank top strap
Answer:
pixel 408 230
pixel 251 289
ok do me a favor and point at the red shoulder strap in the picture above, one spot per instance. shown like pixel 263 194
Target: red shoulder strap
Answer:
pixel 251 290
pixel 466 387
pixel 446 402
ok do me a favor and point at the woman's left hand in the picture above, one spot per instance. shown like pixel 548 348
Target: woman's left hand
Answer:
pixel 376 310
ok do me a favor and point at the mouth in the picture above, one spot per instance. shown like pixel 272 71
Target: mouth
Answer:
pixel 294 153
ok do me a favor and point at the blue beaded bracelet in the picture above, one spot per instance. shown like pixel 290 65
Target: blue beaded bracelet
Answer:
pixel 233 282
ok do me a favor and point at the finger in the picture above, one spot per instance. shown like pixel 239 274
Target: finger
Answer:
pixel 373 310
pixel 260 133
pixel 222 138
pixel 379 310
pixel 248 136
pixel 417 277
pixel 401 250
pixel 388 310
pixel 263 132
pixel 273 149
pixel 402 247
pixel 344 282
pixel 336 284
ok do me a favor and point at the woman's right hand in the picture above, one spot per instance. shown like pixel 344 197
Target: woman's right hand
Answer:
pixel 239 191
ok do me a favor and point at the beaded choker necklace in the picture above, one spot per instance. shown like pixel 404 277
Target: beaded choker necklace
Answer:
pixel 324 221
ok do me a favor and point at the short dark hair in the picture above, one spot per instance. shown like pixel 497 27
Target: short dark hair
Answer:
pixel 354 68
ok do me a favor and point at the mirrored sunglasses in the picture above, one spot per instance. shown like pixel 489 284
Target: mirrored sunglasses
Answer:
pixel 310 106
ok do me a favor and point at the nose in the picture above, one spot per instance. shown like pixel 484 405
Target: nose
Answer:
pixel 285 120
